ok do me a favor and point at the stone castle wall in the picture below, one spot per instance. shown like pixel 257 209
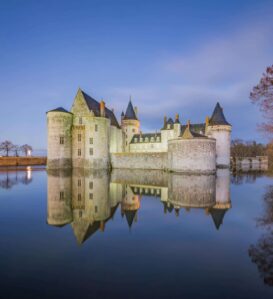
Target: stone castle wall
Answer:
pixel 192 155
pixel 139 160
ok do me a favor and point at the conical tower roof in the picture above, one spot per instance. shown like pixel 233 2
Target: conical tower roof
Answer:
pixel 218 117
pixel 130 216
pixel 130 112
pixel 218 216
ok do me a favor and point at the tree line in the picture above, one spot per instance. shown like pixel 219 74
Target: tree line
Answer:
pixel 7 148
pixel 241 149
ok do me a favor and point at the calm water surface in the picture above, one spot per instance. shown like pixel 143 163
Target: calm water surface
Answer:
pixel 135 234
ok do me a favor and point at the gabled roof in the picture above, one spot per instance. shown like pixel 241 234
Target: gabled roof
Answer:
pixel 218 117
pixel 59 109
pixel 130 112
pixel 95 107
pixel 197 128
pixel 189 133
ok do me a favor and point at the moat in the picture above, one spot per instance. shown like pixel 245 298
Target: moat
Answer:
pixel 135 234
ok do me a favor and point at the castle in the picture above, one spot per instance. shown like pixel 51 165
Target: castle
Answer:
pixel 90 136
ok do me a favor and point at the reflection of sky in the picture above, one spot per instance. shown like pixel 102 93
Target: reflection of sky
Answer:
pixel 162 255
pixel 171 56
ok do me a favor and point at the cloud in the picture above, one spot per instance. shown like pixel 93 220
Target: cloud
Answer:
pixel 223 69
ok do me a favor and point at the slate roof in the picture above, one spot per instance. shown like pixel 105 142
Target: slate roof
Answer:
pixel 218 117
pixel 95 107
pixel 170 121
pixel 149 135
pixel 59 109
pixel 130 112
pixel 195 128
pixel 218 216
pixel 130 216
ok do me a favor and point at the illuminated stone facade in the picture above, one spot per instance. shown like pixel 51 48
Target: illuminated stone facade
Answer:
pixel 89 136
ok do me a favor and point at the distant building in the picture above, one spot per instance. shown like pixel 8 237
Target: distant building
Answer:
pixel 90 136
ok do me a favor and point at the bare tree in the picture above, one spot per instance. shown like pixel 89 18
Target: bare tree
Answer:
pixel 6 147
pixel 261 253
pixel 16 150
pixel 262 95
pixel 26 148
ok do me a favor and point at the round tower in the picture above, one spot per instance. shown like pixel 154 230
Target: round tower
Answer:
pixel 59 123
pixel 217 127
pixel 130 125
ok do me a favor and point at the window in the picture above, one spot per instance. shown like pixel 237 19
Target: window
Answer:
pixel 90 195
pixel 79 137
pixel 91 140
pixel 96 128
pixel 96 209
pixel 80 120
pixel 79 183
pixel 61 195
pixel 91 151
pixel 79 152
pixel 126 142
pixel 79 197
pixel 62 140
pixel 90 185
pixel 133 130
pixel 80 214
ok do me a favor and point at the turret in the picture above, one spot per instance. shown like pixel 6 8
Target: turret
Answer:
pixel 220 129
pixel 59 124
pixel 130 125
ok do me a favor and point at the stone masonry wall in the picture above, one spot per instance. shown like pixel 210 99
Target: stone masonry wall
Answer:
pixel 139 160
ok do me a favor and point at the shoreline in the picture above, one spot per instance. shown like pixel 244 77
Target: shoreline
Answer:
pixel 22 161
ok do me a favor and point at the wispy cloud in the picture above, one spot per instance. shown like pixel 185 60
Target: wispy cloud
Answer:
pixel 223 69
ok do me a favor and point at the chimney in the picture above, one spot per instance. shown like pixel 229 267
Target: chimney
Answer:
pixel 136 111
pixel 102 108
pixel 177 117
pixel 165 122
pixel 207 121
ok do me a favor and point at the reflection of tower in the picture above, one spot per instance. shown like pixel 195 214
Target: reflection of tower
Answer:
pixel 190 191
pixel 223 202
pixel 130 205
pixel 59 198
pixel 92 206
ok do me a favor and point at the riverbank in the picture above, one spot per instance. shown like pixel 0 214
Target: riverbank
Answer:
pixel 22 161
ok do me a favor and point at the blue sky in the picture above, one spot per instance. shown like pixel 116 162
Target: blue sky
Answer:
pixel 171 56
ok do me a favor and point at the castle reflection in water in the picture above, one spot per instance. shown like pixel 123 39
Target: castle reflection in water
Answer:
pixel 87 200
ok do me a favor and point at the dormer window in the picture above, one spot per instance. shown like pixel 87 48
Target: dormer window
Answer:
pixel 146 139
pixel 152 139
pixel 80 120
pixel 168 126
